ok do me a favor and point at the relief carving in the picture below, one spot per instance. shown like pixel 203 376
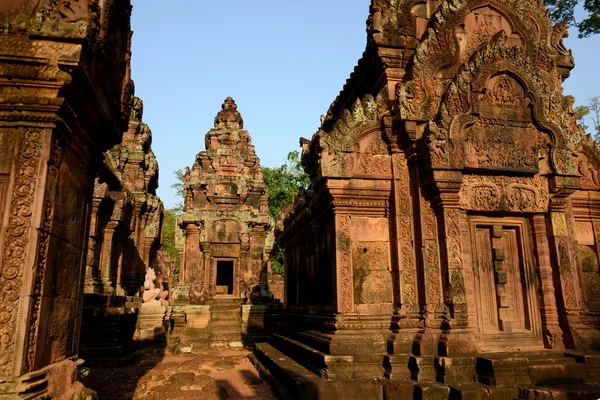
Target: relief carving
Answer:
pixel 566 273
pixel 503 193
pixel 344 267
pixel 456 290
pixel 587 170
pixel 11 280
pixel 40 273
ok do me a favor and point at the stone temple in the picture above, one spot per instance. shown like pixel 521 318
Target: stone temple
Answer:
pixel 228 235
pixel 450 238
pixel 448 246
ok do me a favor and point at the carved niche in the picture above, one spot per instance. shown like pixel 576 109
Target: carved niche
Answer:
pixel 504 136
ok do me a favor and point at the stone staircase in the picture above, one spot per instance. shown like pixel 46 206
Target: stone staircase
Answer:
pixel 548 375
pixel 226 322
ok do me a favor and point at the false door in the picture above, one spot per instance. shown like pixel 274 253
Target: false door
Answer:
pixel 505 284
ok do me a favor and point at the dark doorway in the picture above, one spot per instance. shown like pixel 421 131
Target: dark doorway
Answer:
pixel 224 277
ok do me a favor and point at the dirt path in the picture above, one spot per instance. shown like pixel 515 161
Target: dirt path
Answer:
pixel 203 374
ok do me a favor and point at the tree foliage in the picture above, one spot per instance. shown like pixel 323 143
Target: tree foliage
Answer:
pixel 284 182
pixel 178 186
pixel 561 10
pixel 169 226
pixel 590 113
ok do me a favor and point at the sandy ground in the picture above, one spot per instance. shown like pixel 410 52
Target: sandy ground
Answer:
pixel 205 374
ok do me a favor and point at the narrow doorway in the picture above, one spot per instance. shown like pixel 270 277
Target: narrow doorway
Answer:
pixel 224 277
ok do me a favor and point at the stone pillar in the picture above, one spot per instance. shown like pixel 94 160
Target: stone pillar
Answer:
pixel 455 260
pixel 344 288
pixel 549 313
pixel 120 262
pixel 193 254
pixel 404 268
pixel 148 242
pixel 93 281
pixel 106 258
pixel 426 342
pixel 205 265
pixel 569 290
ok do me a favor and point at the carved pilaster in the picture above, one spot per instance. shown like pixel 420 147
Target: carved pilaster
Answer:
pixel 343 265
pixel 93 281
pixel 455 261
pixel 402 241
pixel 193 255
pixel 549 313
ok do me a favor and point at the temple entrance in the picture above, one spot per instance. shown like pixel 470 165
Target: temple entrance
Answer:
pixel 224 277
pixel 505 283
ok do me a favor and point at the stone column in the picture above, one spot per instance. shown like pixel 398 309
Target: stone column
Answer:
pixel 193 258
pixel 205 266
pixel 404 267
pixel 426 342
pixel 344 287
pixel 106 258
pixel 549 313
pixel 455 260
pixel 25 249
pixel 93 281
pixel 569 290
pixel 120 261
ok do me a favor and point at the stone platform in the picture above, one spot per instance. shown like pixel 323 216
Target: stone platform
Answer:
pixel 543 375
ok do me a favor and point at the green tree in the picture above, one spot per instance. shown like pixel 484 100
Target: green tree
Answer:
pixel 169 226
pixel 178 186
pixel 590 113
pixel 283 184
pixel 561 10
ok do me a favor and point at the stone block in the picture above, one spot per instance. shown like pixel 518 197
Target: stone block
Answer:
pixel 431 391
pixel 398 389
pixel 468 391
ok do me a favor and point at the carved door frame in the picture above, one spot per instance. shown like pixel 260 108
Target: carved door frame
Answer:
pixel 235 283
pixel 509 340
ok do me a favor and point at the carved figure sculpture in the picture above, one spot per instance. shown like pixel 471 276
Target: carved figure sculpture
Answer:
pixel 153 296
pixel 196 294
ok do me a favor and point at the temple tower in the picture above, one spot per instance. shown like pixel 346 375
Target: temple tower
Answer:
pixel 225 218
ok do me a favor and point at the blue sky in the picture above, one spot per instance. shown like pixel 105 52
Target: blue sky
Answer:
pixel 283 63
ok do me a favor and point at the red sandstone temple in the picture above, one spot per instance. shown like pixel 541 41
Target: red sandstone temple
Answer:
pixel 228 235
pixel 451 232
pixel 448 246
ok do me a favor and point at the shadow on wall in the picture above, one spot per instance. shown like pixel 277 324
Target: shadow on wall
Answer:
pixel 118 362
pixel 259 321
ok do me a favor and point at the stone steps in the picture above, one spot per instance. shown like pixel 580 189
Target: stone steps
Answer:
pixel 542 368
pixel 226 322
pixel 293 381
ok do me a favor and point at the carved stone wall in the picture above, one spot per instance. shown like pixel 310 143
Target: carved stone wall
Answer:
pixel 453 134
pixel 64 90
